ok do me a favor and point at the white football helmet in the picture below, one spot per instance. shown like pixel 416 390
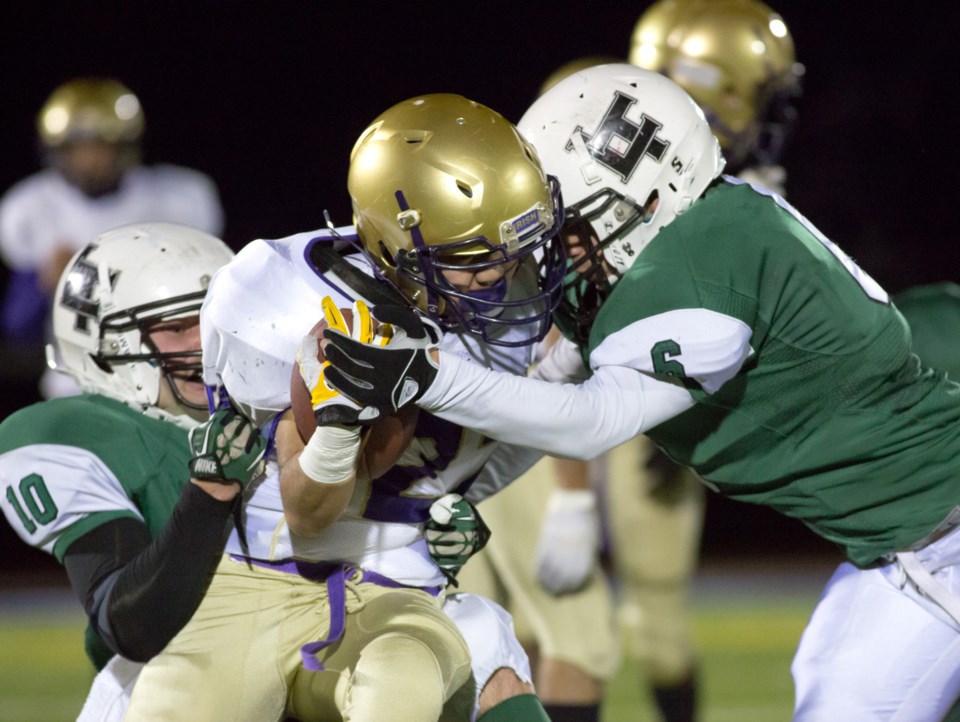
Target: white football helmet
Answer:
pixel 115 290
pixel 618 138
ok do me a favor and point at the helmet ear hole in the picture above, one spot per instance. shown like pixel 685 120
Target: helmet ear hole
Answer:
pixel 465 189
pixel 650 206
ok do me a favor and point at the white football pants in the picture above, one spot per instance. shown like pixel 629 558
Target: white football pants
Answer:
pixel 878 648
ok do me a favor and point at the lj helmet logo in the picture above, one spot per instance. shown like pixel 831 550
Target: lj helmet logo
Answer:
pixel 619 143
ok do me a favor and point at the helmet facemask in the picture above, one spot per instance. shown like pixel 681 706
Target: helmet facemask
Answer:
pixel 531 242
pixel 592 273
pixel 143 321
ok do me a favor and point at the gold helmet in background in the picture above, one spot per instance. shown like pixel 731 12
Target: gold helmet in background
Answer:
pixel 736 59
pixel 90 129
pixel 442 183
pixel 90 109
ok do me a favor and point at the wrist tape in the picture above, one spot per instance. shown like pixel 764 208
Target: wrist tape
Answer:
pixel 330 456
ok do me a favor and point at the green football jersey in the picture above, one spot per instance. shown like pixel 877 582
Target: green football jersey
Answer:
pixel 71 464
pixel 808 397
pixel 933 313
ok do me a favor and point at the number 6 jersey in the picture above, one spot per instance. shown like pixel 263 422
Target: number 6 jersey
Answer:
pixel 750 348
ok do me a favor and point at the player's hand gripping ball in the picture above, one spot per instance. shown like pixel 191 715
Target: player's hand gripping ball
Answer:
pixel 227 447
pixel 315 403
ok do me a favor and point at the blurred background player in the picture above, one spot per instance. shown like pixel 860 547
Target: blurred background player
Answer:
pixel 90 132
pixel 101 480
pixel 736 59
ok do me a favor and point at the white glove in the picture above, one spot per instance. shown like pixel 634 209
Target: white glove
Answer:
pixel 569 541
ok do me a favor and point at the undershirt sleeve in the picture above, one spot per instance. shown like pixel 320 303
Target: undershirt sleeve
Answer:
pixel 508 463
pixel 577 421
pixel 138 592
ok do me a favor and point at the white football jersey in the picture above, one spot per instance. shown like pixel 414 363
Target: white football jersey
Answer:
pixel 257 310
pixel 44 212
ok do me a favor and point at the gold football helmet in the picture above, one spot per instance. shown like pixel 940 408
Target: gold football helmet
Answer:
pixel 736 59
pixel 442 183
pixel 90 108
pixel 91 130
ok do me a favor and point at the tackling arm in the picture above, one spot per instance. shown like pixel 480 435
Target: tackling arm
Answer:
pixel 139 593
pixel 577 421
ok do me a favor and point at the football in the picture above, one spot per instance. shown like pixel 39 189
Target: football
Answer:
pixel 385 440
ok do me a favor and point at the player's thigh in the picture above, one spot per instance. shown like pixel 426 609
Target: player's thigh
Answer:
pixel 235 639
pixel 403 631
pixel 875 651
pixel 578 627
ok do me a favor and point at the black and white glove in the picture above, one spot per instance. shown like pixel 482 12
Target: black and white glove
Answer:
pixel 329 405
pixel 455 531
pixel 385 377
pixel 227 447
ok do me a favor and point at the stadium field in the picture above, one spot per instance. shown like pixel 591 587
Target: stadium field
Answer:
pixel 747 621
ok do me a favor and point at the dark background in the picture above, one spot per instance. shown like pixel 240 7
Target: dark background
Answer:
pixel 268 98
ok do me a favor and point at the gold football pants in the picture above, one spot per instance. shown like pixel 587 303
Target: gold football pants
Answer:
pixel 239 657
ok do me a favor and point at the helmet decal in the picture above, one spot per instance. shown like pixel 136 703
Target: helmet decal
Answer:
pixel 640 155
pixel 620 144
pixel 80 290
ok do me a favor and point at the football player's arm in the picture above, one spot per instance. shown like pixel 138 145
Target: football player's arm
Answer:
pixel 576 421
pixel 569 543
pixel 629 392
pixel 138 592
pixel 316 479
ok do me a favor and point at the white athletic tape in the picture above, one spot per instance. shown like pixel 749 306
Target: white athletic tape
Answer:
pixel 331 454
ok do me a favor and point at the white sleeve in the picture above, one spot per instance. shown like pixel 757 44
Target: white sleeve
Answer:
pixel 507 463
pixel 18 248
pixel 67 483
pixel 711 347
pixel 577 421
